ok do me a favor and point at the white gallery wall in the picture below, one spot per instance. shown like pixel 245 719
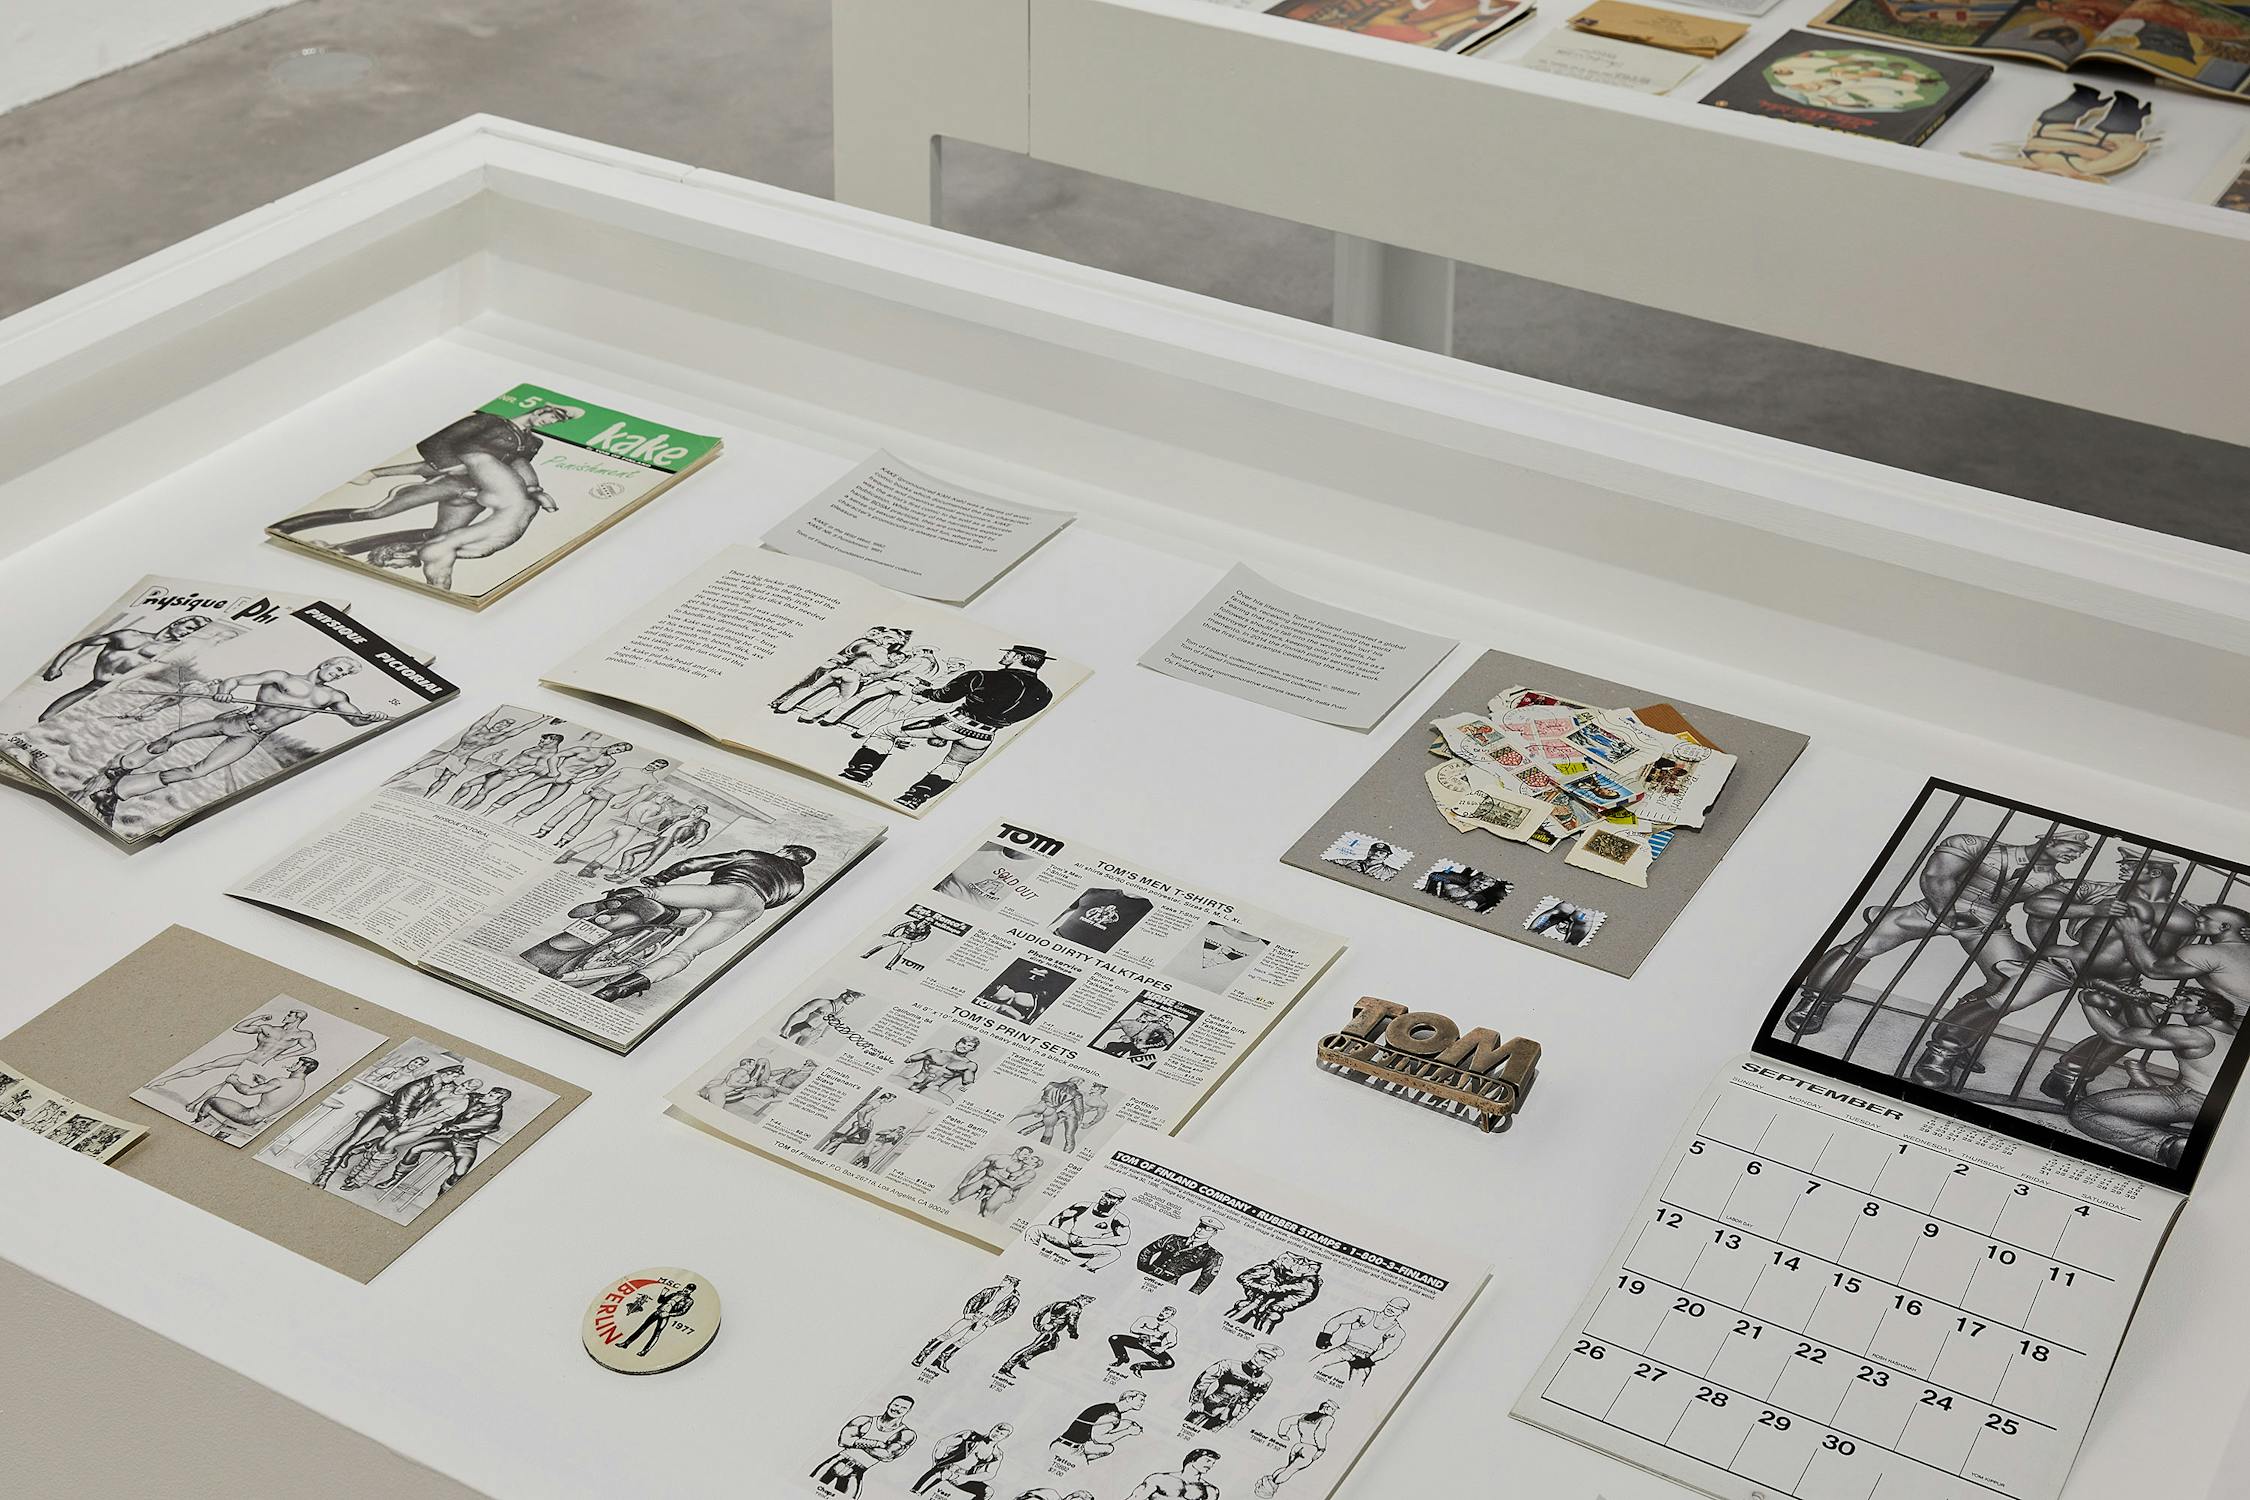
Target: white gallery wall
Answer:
pixel 51 45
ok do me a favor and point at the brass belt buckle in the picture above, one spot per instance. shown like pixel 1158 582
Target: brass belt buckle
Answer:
pixel 1424 1058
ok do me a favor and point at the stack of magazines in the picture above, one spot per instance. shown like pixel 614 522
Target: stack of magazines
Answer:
pixel 183 696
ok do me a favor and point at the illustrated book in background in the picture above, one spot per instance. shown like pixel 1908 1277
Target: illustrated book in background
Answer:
pixel 566 872
pixel 1170 1327
pixel 1649 26
pixel 148 622
pixel 228 713
pixel 820 669
pixel 1441 25
pixel 494 498
pixel 1878 92
pixel 969 1053
pixel 328 1125
pixel 2197 44
pixel 1895 1250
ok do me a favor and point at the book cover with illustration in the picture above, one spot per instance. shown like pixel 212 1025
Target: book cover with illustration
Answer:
pixel 1876 92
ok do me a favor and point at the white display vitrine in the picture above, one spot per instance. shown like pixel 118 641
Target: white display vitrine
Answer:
pixel 2130 299
pixel 155 419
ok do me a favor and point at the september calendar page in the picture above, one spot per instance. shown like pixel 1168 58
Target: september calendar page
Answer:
pixel 1894 1252
pixel 1829 1294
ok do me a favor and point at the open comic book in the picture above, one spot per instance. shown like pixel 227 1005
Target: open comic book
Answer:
pixel 494 498
pixel 149 621
pixel 813 666
pixel 966 1055
pixel 560 870
pixel 1896 1250
pixel 1173 1329
pixel 239 704
pixel 2195 43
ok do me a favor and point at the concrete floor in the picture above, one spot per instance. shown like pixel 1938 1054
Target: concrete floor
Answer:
pixel 118 1410
pixel 121 166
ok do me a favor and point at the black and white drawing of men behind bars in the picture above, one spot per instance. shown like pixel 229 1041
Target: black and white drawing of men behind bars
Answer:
pixel 2047 970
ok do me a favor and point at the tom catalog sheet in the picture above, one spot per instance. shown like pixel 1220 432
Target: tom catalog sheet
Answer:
pixel 971 1051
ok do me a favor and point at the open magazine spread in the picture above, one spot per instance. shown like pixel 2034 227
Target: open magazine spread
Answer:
pixel 971 1051
pixel 1896 1251
pixel 491 499
pixel 2199 44
pixel 560 870
pixel 1173 1329
pixel 232 710
pixel 814 666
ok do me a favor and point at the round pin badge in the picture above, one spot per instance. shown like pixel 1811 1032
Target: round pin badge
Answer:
pixel 651 1321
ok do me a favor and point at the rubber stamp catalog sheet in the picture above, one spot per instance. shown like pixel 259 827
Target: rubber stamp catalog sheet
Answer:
pixel 974 1049
pixel 1169 1328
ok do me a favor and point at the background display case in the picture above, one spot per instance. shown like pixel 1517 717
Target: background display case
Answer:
pixel 1917 257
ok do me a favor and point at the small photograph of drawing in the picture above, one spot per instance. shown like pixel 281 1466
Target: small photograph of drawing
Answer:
pixel 987 878
pixel 919 935
pixel 1216 957
pixel 762 1077
pixel 406 1129
pixel 1064 1112
pixel 997 1178
pixel 250 1075
pixel 871 1134
pixel 1145 1030
pixel 1023 990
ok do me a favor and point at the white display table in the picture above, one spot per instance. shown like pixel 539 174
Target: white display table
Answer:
pixel 2126 298
pixel 156 418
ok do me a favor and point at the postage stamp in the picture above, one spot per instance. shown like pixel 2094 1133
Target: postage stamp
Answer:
pixel 1561 922
pixel 1450 880
pixel 1365 855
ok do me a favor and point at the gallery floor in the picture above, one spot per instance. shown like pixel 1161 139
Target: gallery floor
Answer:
pixel 203 133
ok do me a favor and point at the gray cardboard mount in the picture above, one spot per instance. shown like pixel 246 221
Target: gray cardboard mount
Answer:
pixel 1392 802
pixel 171 995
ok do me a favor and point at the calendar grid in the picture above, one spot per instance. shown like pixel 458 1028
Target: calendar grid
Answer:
pixel 1989 1235
pixel 1938 1334
pixel 1993 1320
pixel 1940 1151
pixel 1774 1406
pixel 1873 1359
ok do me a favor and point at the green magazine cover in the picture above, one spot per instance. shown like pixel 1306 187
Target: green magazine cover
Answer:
pixel 489 500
